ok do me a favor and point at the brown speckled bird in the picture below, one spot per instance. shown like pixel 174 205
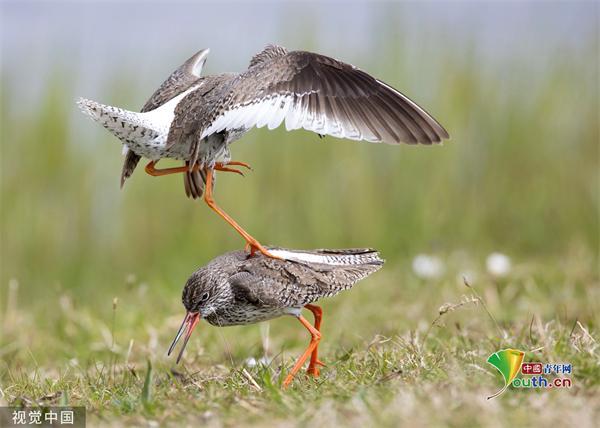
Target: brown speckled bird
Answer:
pixel 195 118
pixel 233 289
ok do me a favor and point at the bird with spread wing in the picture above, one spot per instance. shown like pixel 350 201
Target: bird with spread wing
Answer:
pixel 194 118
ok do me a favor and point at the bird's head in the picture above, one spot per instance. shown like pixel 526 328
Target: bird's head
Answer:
pixel 203 295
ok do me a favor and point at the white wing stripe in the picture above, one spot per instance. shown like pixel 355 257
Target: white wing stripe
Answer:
pixel 291 108
pixel 264 113
pixel 248 115
pixel 296 117
pixel 329 259
pixel 281 109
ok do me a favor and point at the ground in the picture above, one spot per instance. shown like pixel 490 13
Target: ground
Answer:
pixel 414 356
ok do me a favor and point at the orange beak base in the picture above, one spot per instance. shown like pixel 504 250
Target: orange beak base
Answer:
pixel 188 324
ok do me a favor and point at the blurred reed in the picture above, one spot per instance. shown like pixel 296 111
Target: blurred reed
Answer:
pixel 519 175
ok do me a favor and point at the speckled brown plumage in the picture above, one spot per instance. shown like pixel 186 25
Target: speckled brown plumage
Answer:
pixel 325 87
pixel 245 290
pixel 233 289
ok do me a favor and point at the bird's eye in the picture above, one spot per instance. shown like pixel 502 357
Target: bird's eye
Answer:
pixel 204 297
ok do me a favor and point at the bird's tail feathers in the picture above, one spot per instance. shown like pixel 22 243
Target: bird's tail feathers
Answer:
pixel 333 270
pixel 124 124
pixel 342 257
pixel 357 256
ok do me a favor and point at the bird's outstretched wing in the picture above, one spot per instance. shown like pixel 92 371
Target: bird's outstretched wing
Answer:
pixel 303 278
pixel 324 95
pixel 179 81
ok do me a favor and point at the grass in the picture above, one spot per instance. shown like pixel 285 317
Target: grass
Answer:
pixel 419 362
pixel 91 276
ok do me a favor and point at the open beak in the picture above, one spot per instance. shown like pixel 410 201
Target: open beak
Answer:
pixel 188 324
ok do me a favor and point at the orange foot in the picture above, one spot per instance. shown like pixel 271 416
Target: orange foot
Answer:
pixel 225 167
pixel 255 246
pixel 313 370
pixel 152 170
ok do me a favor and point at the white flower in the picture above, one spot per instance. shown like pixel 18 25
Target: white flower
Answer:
pixel 427 267
pixel 498 264
pixel 253 362
pixel 250 362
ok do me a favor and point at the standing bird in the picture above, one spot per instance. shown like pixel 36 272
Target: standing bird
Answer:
pixel 234 290
pixel 195 118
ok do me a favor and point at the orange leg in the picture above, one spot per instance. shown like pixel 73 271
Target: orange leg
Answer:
pixel 165 171
pixel 314 342
pixel 253 243
pixel 314 360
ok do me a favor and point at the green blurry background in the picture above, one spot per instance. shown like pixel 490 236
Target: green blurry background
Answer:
pixel 516 85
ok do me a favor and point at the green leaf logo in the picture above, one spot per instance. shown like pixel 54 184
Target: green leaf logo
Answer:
pixel 508 363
